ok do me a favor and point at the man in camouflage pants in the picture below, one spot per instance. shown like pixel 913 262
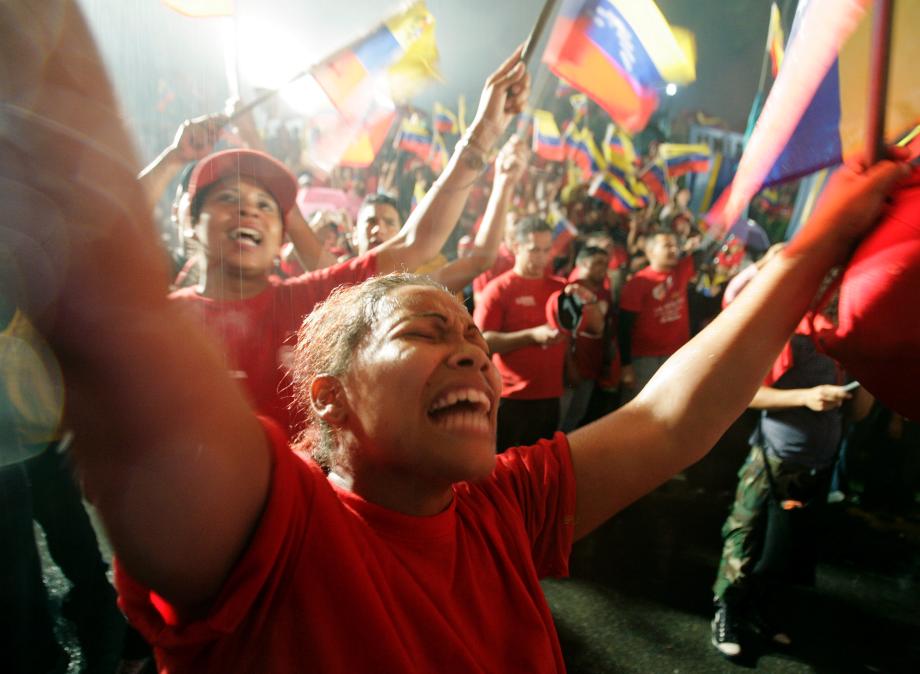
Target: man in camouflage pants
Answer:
pixel 790 463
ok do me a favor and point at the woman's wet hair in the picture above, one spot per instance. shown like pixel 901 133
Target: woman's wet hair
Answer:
pixel 328 339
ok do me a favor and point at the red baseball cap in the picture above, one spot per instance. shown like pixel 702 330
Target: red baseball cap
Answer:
pixel 274 175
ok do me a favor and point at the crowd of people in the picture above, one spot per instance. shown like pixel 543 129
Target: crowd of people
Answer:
pixel 394 420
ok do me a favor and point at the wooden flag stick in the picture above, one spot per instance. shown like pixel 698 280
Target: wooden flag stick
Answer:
pixel 530 45
pixel 878 80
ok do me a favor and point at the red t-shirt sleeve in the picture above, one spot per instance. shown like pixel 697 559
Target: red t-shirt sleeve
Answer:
pixel 313 287
pixel 286 511
pixel 541 480
pixel 488 314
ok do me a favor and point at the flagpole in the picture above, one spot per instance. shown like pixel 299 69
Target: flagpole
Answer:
pixel 531 44
pixel 878 81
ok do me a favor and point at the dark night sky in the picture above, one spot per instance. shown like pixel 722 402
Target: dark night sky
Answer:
pixel 144 43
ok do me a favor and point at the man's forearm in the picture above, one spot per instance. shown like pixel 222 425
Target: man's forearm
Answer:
pixel 307 246
pixel 769 398
pixel 503 342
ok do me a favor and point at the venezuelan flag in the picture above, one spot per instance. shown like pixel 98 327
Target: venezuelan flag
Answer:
pixel 656 180
pixel 815 113
pixel 413 137
pixel 445 121
pixel 579 103
pixel 547 143
pixel 611 190
pixel 640 192
pixel 438 157
pixel 619 150
pixel 680 159
pixel 620 53
pixel 581 149
pixel 391 46
pixel 363 150
pixel 775 40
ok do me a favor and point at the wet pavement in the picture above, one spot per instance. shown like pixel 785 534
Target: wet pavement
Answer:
pixel 639 596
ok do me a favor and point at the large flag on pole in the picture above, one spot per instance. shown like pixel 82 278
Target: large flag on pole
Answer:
pixel 403 46
pixel 816 112
pixel 620 53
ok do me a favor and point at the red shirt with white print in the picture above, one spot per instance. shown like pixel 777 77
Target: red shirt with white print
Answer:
pixel 659 300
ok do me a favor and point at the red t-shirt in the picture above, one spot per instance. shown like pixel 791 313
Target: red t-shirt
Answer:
pixel 504 261
pixel 256 335
pixel 331 583
pixel 511 303
pixel 660 301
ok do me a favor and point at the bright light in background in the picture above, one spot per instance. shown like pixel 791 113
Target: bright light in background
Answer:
pixel 305 96
pixel 671 89
pixel 269 52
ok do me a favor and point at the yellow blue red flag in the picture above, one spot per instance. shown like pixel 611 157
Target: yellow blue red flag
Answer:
pixel 816 111
pixel 445 121
pixel 680 159
pixel 414 137
pixel 438 157
pixel 401 49
pixel 581 149
pixel 610 189
pixel 776 41
pixel 547 142
pixel 620 53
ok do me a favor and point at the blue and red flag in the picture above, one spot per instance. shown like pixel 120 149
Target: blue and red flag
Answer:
pixel 439 156
pixel 401 43
pixel 414 137
pixel 656 180
pixel 547 142
pixel 581 149
pixel 680 159
pixel 445 121
pixel 611 190
pixel 620 53
pixel 816 111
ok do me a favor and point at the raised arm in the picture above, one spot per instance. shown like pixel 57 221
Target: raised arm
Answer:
pixel 195 139
pixel 509 167
pixel 427 229
pixel 307 246
pixel 702 388
pixel 147 394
